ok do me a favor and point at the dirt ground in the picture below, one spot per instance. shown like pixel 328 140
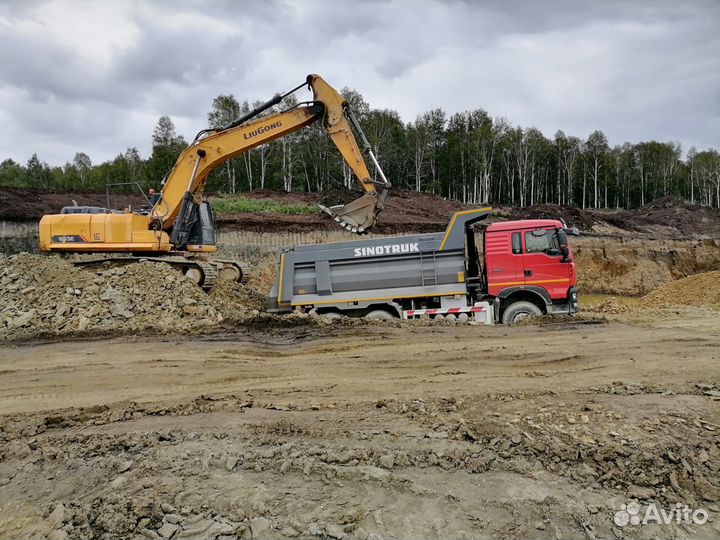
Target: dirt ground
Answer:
pixel 253 426
pixel 409 431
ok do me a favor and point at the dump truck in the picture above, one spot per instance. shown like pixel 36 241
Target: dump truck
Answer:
pixel 499 273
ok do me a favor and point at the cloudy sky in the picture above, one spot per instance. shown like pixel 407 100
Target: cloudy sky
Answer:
pixel 95 76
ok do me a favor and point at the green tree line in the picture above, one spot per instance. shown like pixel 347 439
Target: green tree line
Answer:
pixel 468 156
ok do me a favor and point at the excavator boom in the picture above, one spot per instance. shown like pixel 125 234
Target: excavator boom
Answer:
pixel 191 171
pixel 192 168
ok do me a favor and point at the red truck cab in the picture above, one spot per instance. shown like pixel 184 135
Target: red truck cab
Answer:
pixel 529 269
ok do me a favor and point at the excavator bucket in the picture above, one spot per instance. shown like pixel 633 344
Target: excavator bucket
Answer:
pixel 357 216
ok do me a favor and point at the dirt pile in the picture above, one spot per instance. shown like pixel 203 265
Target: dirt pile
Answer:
pixel 234 300
pixel 669 215
pixel 405 211
pixel 262 278
pixel 664 218
pixel 695 291
pixel 635 267
pixel 409 211
pixel 48 296
pixel 573 217
pixel 698 290
pixel 30 204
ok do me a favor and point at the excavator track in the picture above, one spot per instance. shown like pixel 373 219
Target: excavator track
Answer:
pixel 206 273
pixel 210 274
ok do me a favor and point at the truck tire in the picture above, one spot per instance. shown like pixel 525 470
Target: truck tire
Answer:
pixel 518 311
pixel 379 315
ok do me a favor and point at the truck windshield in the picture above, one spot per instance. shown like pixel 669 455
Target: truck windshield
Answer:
pixel 542 242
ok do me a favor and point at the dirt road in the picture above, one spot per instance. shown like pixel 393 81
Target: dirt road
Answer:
pixel 364 432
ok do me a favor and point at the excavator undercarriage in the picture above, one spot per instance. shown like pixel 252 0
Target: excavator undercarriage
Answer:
pixel 205 272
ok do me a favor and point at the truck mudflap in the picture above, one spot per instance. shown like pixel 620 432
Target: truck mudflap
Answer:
pixel 573 300
pixel 567 308
pixel 481 312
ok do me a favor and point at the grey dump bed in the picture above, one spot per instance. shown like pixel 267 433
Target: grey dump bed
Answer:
pixel 359 273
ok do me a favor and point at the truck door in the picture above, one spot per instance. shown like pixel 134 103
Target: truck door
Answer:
pixel 503 260
pixel 543 266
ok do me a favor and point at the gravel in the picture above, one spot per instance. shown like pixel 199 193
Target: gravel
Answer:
pixel 697 290
pixel 48 296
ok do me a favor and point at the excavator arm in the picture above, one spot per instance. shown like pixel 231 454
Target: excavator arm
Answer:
pixel 211 148
pixel 361 214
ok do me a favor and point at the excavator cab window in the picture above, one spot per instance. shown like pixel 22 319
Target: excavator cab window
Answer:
pixel 198 227
pixel 203 230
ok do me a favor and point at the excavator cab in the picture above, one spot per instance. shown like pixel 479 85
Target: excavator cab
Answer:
pixel 195 229
pixel 204 231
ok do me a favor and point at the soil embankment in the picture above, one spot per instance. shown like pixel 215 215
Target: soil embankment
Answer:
pixel 628 253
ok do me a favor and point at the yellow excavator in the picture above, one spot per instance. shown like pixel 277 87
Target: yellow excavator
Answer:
pixel 178 225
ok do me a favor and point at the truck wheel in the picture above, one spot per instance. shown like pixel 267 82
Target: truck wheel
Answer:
pixel 379 315
pixel 517 311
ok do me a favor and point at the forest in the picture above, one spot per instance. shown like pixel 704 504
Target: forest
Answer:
pixel 467 156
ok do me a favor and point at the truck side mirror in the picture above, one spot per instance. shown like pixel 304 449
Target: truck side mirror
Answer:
pixel 564 250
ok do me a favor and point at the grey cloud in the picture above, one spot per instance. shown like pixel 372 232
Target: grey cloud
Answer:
pixel 637 70
pixel 177 56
